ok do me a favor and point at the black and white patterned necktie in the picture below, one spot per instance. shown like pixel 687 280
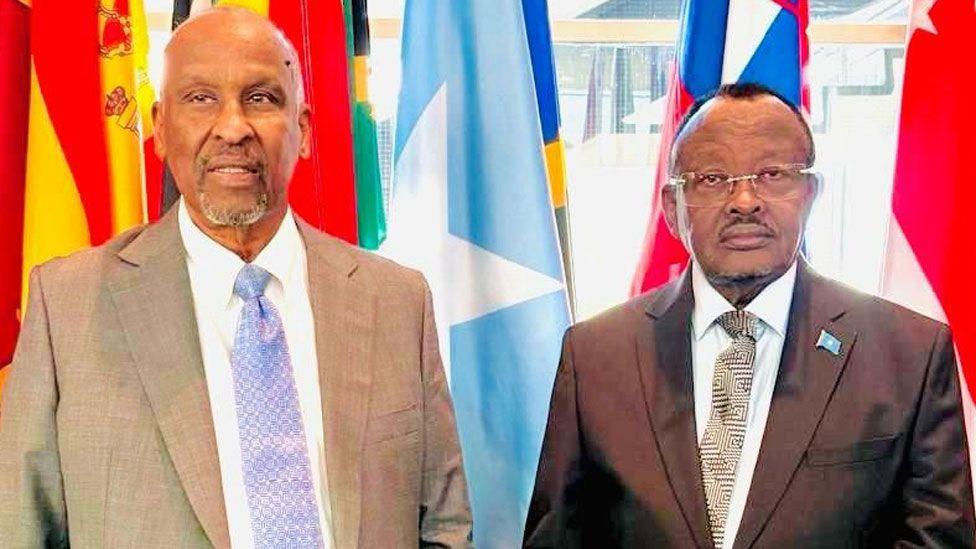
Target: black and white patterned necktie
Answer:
pixel 725 431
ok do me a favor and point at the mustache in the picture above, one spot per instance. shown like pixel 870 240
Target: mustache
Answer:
pixel 231 156
pixel 751 220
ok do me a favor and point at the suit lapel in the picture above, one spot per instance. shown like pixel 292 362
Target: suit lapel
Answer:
pixel 804 385
pixel 155 305
pixel 343 313
pixel 664 355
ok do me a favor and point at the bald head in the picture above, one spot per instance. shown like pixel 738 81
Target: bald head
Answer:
pixel 762 121
pixel 745 109
pixel 229 27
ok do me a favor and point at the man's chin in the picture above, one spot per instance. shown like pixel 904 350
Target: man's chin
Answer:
pixel 739 277
pixel 236 215
pixel 743 269
pixel 236 219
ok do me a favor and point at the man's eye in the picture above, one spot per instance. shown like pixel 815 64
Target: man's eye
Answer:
pixel 772 174
pixel 200 98
pixel 261 97
pixel 712 179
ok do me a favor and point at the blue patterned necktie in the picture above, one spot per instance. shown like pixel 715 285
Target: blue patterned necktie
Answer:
pixel 274 453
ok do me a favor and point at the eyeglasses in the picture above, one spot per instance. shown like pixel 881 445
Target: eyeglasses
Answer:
pixel 780 182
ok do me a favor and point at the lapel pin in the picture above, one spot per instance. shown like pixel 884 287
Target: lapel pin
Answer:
pixel 829 342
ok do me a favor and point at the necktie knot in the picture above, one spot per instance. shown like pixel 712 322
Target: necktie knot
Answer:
pixel 251 282
pixel 737 323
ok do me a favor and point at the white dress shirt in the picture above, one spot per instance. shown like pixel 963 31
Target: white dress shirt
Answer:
pixel 708 339
pixel 213 270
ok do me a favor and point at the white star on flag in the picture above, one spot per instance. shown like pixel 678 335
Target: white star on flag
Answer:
pixel 466 280
pixel 920 17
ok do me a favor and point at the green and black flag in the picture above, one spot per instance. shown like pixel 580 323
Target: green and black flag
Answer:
pixel 369 187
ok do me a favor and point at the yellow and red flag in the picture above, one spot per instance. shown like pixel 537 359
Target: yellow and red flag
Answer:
pixel 89 97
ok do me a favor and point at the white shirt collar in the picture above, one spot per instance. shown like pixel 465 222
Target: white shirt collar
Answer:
pixel 772 305
pixel 280 256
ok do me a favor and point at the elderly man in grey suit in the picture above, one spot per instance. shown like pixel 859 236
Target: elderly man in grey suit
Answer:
pixel 230 376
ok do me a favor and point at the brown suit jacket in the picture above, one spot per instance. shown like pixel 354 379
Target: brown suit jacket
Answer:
pixel 861 449
pixel 106 434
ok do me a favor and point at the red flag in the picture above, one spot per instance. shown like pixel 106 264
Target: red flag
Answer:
pixel 930 238
pixel 663 256
pixel 14 97
pixel 323 189
pixel 154 180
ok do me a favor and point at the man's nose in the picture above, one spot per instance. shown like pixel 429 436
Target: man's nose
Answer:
pixel 232 125
pixel 744 199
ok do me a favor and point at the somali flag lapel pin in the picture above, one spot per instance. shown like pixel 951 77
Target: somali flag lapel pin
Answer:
pixel 828 342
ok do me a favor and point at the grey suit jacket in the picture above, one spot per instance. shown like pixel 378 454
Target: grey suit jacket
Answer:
pixel 106 434
pixel 862 448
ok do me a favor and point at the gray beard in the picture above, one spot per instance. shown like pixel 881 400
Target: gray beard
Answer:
pixel 223 217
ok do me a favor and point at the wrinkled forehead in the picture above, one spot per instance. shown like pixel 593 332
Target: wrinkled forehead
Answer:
pixel 218 45
pixel 761 127
pixel 217 59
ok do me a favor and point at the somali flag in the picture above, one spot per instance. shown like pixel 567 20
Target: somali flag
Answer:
pixel 471 208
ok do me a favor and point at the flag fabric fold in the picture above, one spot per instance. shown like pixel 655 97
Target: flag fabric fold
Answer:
pixel 471 209
pixel 721 41
pixel 14 96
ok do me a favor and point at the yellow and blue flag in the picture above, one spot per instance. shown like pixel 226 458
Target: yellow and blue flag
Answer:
pixel 539 35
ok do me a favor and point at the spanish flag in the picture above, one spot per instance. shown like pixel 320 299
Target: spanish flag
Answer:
pixel 89 101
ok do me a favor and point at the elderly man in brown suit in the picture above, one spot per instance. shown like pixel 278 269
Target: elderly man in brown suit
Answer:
pixel 230 376
pixel 752 402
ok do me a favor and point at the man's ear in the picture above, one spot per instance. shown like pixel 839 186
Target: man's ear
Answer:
pixel 159 142
pixel 669 203
pixel 818 184
pixel 816 187
pixel 305 125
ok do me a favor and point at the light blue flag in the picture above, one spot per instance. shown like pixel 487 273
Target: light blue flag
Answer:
pixel 471 209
